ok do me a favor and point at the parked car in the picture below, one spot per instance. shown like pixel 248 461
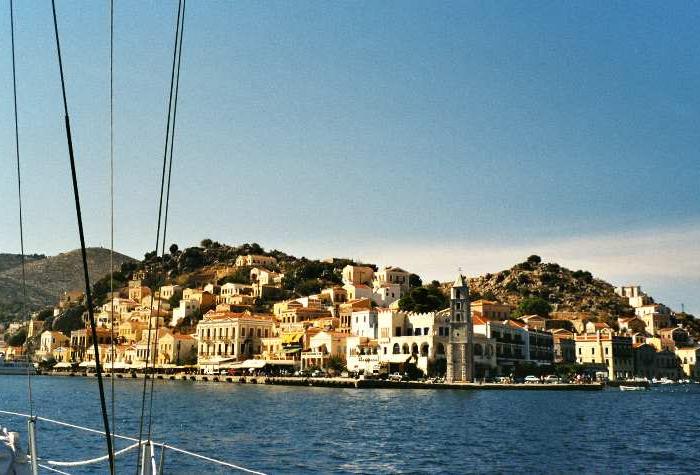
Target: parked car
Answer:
pixel 530 379
pixel 552 379
pixel 395 377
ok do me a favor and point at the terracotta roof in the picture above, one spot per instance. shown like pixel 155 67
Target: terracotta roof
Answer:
pixel 478 320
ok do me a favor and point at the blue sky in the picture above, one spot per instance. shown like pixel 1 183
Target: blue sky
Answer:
pixel 426 134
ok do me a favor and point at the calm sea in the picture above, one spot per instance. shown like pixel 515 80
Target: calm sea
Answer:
pixel 276 429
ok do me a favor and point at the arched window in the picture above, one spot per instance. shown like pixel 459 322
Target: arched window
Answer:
pixel 440 349
pixel 424 349
pixel 414 349
pixel 396 349
pixel 405 348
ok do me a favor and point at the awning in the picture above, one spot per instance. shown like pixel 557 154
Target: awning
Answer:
pixel 87 364
pixel 62 364
pixel 289 351
pixel 288 338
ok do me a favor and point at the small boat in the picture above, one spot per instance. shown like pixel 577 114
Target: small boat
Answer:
pixel 633 388
pixel 15 366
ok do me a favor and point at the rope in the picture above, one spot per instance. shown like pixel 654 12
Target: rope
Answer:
pixel 51 469
pixel 80 463
pixel 19 198
pixel 209 459
pixel 88 294
pixel 160 212
pixel 132 439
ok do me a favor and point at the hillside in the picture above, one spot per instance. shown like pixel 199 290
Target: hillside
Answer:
pixel 48 277
pixel 569 292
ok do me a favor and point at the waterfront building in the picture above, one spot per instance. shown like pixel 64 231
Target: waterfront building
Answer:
pixel 412 338
pixel 688 358
pixel 460 349
pixel 231 336
pixel 564 346
pixel 49 341
pixel 490 309
pixel 176 348
pixel 81 340
pixel 540 347
pixel 322 346
pixel 602 347
pixel 363 355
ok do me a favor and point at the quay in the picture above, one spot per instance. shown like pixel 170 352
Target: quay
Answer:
pixel 349 382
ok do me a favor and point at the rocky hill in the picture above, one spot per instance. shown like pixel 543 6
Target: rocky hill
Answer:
pixel 568 292
pixel 48 277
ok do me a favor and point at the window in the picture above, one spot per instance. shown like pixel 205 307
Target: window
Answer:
pixel 606 350
pixel 398 331
pixel 425 330
pixel 447 331
pixel 593 351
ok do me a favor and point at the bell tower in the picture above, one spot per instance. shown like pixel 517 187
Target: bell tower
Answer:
pixel 460 349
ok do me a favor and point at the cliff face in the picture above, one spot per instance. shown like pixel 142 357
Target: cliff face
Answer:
pixel 570 293
pixel 48 277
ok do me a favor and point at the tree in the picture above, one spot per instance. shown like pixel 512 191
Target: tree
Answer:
pixel 173 249
pixel 414 280
pixel 206 243
pixel 534 259
pixel 71 319
pixel 424 299
pixel 18 338
pixel 533 305
pixel 335 364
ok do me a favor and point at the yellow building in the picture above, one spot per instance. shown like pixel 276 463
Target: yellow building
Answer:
pixel 50 340
pixel 229 335
pixel 603 347
pixel 255 260
pixel 689 357
pixel 357 275
pixel 491 310
pixel 175 348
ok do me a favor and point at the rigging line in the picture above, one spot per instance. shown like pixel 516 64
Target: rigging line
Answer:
pixel 88 293
pixel 160 211
pixel 167 195
pixel 111 210
pixel 19 199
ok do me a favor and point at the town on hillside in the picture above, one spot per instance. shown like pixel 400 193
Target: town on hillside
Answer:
pixel 241 318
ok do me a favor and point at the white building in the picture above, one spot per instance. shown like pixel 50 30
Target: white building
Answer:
pixel 365 323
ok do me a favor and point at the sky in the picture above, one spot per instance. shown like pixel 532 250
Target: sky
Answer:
pixel 430 135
